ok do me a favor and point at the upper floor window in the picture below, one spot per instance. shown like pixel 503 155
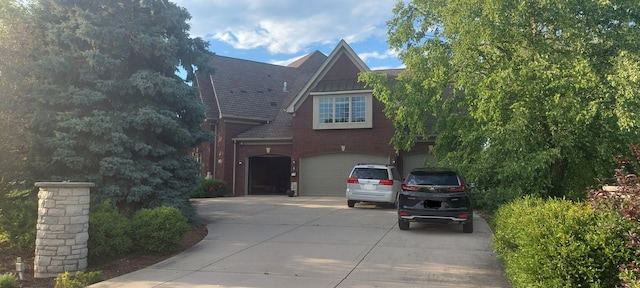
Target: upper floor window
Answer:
pixel 344 111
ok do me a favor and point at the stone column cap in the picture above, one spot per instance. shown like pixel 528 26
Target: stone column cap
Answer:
pixel 65 184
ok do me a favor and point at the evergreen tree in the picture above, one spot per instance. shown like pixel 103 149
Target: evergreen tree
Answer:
pixel 111 108
pixel 15 81
pixel 543 94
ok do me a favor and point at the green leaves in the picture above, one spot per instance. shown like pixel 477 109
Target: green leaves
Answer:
pixel 110 108
pixel 530 96
pixel 558 243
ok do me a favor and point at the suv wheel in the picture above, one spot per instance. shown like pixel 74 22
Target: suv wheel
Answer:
pixel 351 203
pixel 403 225
pixel 467 227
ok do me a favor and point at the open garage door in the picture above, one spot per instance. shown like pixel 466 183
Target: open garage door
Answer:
pixel 326 175
pixel 269 174
pixel 417 161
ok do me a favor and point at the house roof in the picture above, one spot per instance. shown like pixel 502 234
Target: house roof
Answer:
pixel 244 89
pixel 253 91
pixel 281 126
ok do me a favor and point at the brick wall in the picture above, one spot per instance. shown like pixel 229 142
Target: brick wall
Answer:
pixel 367 141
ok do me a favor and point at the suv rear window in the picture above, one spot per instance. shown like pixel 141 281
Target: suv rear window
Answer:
pixel 446 178
pixel 370 173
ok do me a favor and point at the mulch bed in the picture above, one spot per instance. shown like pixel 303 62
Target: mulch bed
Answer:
pixel 109 270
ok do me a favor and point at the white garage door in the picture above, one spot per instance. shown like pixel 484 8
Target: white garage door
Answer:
pixel 417 161
pixel 326 175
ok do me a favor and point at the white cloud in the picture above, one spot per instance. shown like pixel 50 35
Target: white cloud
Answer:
pixel 286 62
pixel 377 55
pixel 287 26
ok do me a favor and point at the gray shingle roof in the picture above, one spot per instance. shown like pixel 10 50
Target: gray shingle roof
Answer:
pixel 252 90
pixel 243 89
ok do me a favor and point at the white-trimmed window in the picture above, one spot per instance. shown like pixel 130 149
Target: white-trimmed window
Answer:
pixel 342 111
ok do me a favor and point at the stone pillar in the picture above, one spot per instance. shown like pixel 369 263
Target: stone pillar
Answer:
pixel 62 228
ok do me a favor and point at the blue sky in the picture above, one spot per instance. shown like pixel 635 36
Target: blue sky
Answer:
pixel 280 31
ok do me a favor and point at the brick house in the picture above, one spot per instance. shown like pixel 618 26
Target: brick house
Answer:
pixel 299 127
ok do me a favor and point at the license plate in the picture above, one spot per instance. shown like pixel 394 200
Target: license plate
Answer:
pixel 369 187
pixel 432 204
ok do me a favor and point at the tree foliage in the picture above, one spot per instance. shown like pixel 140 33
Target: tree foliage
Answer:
pixel 531 96
pixel 14 107
pixel 621 195
pixel 111 109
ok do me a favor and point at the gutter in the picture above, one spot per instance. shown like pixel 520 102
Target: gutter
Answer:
pixel 263 139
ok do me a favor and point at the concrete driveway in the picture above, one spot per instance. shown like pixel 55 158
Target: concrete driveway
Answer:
pixel 278 241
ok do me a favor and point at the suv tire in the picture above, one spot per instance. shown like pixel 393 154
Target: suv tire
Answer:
pixel 467 227
pixel 351 203
pixel 403 225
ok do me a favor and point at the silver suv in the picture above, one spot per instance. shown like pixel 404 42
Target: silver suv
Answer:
pixel 378 183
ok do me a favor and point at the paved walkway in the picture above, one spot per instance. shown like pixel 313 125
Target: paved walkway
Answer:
pixel 278 241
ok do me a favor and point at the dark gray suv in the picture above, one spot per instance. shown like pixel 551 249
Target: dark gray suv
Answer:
pixel 430 195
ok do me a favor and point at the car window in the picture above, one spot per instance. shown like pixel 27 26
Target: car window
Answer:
pixel 370 173
pixel 442 179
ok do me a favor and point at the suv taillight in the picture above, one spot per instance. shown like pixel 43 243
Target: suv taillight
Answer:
pixel 352 180
pixel 460 188
pixel 386 182
pixel 409 188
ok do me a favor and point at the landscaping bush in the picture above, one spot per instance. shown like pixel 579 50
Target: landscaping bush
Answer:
pixel 210 188
pixel 558 243
pixel 629 277
pixel 109 233
pixel 489 200
pixel 79 280
pixel 7 280
pixel 623 198
pixel 158 230
pixel 18 217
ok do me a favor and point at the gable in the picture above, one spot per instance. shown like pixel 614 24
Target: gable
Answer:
pixel 343 68
pixel 342 64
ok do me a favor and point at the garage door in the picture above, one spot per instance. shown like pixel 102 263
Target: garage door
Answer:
pixel 326 175
pixel 417 161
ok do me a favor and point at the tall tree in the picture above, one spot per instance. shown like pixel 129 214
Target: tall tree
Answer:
pixel 111 108
pixel 542 94
pixel 15 53
pixel 18 196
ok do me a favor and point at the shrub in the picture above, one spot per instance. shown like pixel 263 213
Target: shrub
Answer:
pixel 490 200
pixel 7 280
pixel 558 243
pixel 80 280
pixel 625 201
pixel 109 233
pixel 90 277
pixel 158 230
pixel 629 277
pixel 210 188
pixel 18 218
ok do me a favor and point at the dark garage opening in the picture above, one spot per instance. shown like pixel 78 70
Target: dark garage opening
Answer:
pixel 269 175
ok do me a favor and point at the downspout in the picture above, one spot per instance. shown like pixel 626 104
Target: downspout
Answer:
pixel 214 161
pixel 233 186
